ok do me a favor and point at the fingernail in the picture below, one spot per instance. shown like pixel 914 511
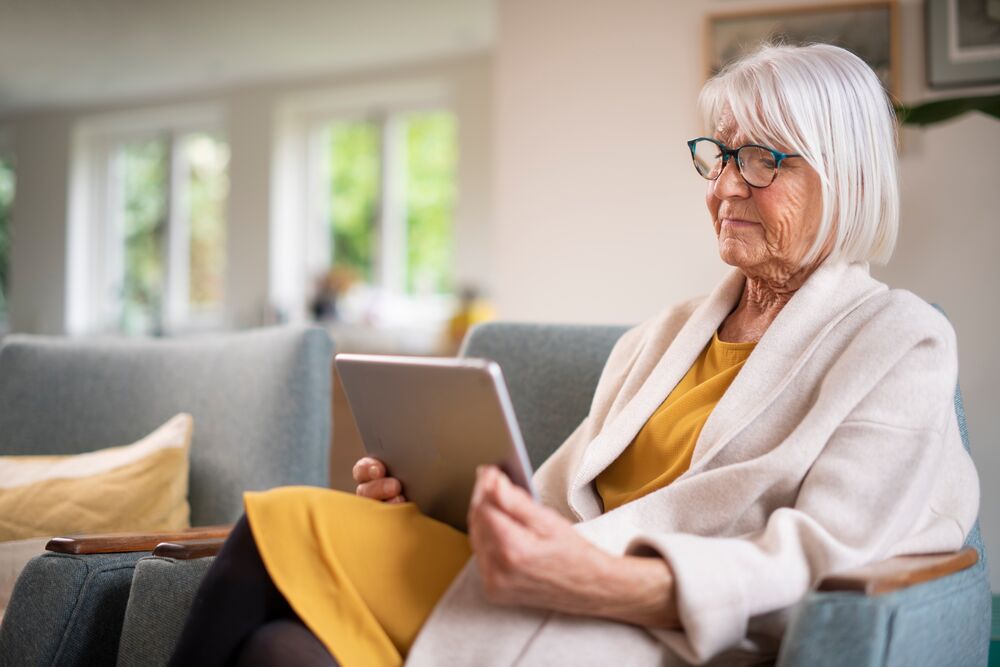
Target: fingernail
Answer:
pixel 373 471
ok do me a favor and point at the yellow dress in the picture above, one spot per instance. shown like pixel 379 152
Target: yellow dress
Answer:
pixel 364 576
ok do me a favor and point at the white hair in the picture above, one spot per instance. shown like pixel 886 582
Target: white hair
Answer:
pixel 826 104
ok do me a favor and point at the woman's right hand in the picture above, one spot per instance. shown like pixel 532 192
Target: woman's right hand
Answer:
pixel 373 483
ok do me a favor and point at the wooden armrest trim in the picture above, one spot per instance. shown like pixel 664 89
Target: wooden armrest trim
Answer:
pixel 122 542
pixel 189 549
pixel 901 572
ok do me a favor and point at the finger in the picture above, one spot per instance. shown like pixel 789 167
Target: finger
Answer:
pixel 397 499
pixel 380 489
pixel 498 533
pixel 480 486
pixel 518 504
pixel 367 469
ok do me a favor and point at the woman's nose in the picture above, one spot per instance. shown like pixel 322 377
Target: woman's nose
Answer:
pixel 730 184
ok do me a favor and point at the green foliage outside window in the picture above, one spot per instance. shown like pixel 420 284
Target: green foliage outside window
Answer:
pixel 428 153
pixel 6 197
pixel 144 179
pixel 354 192
pixel 431 151
pixel 208 187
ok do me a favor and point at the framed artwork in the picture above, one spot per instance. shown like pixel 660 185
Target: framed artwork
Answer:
pixel 868 29
pixel 963 42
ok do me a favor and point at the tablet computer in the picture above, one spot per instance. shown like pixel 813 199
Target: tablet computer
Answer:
pixel 432 421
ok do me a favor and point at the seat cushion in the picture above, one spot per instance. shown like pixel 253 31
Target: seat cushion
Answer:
pixel 142 486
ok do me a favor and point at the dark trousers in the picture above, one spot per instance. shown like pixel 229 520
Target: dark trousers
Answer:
pixel 240 618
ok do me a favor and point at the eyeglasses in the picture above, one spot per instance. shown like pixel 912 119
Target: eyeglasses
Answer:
pixel 758 165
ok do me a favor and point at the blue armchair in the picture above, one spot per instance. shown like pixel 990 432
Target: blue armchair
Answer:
pixel 849 621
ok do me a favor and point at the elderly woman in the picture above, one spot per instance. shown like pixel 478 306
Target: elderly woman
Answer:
pixel 795 422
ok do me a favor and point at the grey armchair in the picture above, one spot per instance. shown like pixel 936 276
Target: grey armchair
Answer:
pixel 901 613
pixel 261 407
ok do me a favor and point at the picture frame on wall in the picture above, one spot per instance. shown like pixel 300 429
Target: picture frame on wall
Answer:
pixel 963 42
pixel 868 29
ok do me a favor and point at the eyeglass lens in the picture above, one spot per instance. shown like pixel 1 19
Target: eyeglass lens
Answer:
pixel 757 165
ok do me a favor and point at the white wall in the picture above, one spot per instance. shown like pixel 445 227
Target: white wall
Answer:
pixel 600 216
pixel 41 146
pixel 37 274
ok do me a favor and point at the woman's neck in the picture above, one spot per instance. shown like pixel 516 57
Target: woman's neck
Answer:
pixel 759 305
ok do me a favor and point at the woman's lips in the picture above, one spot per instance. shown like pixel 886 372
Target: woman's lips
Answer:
pixel 737 222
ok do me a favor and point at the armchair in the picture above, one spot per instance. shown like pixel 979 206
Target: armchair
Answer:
pixel 904 612
pixel 261 407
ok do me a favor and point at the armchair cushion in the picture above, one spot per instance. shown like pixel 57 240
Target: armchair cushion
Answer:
pixel 142 486
pixel 82 601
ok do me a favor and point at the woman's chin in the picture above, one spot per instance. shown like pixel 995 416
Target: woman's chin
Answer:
pixel 737 254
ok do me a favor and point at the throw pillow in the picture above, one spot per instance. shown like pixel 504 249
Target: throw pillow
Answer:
pixel 137 487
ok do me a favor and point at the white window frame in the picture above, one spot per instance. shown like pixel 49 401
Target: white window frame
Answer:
pixel 300 247
pixel 6 151
pixel 95 252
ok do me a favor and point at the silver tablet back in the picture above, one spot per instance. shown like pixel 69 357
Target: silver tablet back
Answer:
pixel 432 421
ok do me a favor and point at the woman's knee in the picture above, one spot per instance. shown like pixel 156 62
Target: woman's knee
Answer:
pixel 284 642
pixel 238 559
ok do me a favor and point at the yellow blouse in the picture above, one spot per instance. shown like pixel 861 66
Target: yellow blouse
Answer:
pixel 661 452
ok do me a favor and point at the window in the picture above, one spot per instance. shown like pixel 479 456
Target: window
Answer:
pixel 196 268
pixel 365 194
pixel 149 230
pixel 390 198
pixel 6 198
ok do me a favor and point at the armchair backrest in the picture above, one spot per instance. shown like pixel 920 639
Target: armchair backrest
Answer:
pixel 260 401
pixel 552 370
pixel 974 538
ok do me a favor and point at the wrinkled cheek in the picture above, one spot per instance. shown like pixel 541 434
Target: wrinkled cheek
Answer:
pixel 776 238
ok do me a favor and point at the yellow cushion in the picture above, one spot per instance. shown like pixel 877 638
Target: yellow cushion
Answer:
pixel 142 486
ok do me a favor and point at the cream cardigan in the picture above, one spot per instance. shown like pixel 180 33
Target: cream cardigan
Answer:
pixel 836 445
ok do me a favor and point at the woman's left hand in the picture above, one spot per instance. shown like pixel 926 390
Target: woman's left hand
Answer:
pixel 529 555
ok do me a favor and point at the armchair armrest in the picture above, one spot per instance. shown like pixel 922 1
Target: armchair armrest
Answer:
pixel 126 542
pixel 898 573
pixel 189 549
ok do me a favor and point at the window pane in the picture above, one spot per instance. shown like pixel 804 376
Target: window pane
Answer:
pixel 144 217
pixel 207 157
pixel 6 197
pixel 354 192
pixel 430 200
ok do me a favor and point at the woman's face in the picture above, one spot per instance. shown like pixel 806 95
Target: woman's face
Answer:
pixel 765 232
